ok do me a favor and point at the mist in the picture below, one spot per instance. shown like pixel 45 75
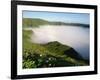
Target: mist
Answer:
pixel 74 36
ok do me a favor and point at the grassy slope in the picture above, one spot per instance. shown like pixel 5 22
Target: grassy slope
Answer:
pixel 52 54
pixel 28 22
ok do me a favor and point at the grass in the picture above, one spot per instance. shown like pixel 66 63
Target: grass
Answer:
pixel 28 22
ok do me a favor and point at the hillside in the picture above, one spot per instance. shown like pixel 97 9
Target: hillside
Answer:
pixel 52 54
pixel 35 22
pixel 29 22
pixel 60 49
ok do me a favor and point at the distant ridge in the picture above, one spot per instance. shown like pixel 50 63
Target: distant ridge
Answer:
pixel 35 22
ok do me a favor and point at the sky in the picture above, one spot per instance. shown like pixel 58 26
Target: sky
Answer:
pixel 83 18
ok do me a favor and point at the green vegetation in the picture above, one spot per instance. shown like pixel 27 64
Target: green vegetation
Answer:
pixel 35 22
pixel 52 54
pixel 28 22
